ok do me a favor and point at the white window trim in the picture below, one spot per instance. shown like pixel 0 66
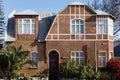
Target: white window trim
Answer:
pixel 79 52
pixel 22 19
pixel 110 24
pixel 103 27
pixel 75 26
pixel 110 55
pixel 102 57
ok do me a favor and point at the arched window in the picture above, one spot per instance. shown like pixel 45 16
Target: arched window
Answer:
pixel 34 58
pixel 77 26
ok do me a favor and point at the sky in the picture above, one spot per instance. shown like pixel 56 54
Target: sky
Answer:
pixel 36 5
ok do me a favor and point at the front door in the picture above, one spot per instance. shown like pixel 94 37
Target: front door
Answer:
pixel 53 65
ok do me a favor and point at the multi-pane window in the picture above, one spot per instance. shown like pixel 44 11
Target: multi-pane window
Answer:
pixel 77 26
pixel 78 57
pixel 35 59
pixel 102 59
pixel 102 25
pixel 26 26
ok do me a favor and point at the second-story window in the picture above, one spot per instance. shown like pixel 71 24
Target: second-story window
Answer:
pixel 77 26
pixel 26 26
pixel 102 25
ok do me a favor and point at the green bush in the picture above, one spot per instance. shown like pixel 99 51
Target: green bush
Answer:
pixel 27 77
pixel 87 72
pixel 105 76
pixel 71 69
pixel 40 75
pixel 16 73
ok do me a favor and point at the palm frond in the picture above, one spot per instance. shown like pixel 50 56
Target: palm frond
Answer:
pixel 13 59
pixel 23 54
pixel 29 62
pixel 19 49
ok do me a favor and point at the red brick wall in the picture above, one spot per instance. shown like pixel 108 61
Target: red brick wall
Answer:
pixel 64 48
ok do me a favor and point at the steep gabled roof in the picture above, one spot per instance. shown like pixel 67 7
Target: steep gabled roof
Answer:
pixel 9 36
pixel 26 12
pixel 46 20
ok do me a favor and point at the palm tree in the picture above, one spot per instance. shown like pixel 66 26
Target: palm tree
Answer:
pixel 12 60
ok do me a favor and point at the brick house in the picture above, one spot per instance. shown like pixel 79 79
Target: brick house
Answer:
pixel 75 33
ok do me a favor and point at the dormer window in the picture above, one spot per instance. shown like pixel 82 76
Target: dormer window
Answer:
pixel 77 26
pixel 26 26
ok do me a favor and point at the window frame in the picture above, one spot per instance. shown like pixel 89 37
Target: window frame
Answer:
pixel 110 55
pixel 99 62
pixel 102 25
pixel 79 56
pixel 35 66
pixel 80 24
pixel 30 27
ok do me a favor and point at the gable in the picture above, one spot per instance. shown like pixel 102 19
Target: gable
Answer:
pixel 60 28
pixel 77 9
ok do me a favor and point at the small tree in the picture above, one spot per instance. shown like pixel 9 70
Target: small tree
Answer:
pixel 12 60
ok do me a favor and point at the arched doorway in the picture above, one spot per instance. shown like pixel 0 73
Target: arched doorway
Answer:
pixel 53 65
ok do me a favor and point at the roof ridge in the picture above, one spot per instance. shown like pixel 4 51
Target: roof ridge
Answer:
pixel 26 12
pixel 77 3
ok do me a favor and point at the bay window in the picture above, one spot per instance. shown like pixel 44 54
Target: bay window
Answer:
pixel 102 25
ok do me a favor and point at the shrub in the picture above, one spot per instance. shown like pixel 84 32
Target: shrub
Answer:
pixel 71 69
pixel 40 75
pixel 16 73
pixel 26 77
pixel 105 76
pixel 87 72
pixel 113 67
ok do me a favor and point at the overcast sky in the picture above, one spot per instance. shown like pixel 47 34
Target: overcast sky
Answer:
pixel 36 5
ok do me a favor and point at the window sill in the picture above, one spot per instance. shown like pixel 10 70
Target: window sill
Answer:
pixel 33 67
pixel 77 33
pixel 102 33
pixel 101 66
pixel 26 34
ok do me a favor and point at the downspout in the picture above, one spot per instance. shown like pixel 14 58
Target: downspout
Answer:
pixel 95 56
